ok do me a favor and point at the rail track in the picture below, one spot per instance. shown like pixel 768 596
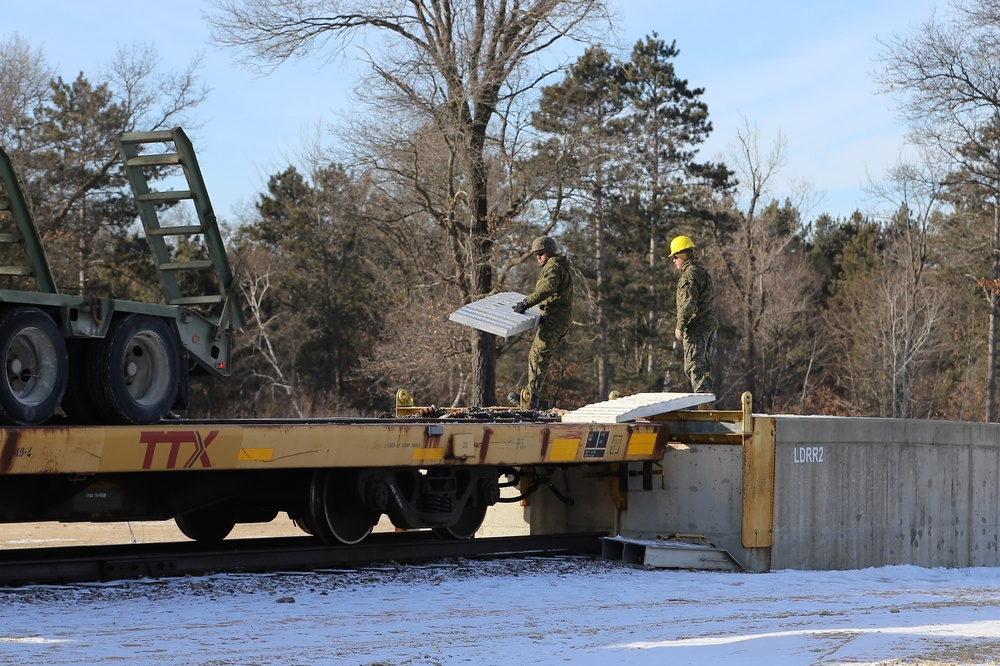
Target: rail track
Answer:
pixel 79 564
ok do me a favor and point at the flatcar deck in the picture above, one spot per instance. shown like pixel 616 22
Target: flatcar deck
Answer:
pixel 247 446
pixel 423 467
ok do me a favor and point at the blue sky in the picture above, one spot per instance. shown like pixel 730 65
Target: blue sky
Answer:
pixel 801 69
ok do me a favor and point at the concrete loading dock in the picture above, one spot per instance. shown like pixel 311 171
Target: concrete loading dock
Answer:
pixel 794 492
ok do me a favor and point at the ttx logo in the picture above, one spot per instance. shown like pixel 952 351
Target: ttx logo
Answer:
pixel 176 440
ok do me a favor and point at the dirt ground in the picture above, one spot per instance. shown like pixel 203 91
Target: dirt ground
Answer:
pixel 502 520
pixel 42 535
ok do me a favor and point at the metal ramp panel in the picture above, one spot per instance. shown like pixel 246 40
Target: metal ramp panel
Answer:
pixel 638 406
pixel 668 554
pixel 495 314
pixel 172 151
pixel 24 243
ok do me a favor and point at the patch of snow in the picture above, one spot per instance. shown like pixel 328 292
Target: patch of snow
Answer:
pixel 538 611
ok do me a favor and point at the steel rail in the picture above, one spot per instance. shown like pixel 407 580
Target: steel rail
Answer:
pixel 65 565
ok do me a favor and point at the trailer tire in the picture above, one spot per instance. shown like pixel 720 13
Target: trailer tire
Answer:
pixel 36 366
pixel 134 372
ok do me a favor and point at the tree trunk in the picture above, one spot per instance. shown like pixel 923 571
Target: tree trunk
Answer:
pixel 83 248
pixel 750 315
pixel 991 370
pixel 651 362
pixel 603 362
pixel 484 369
pixel 484 348
pixel 991 365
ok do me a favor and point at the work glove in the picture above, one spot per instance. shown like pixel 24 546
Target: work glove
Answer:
pixel 677 333
pixel 519 308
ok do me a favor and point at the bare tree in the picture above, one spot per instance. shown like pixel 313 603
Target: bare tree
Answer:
pixel 62 134
pixel 313 267
pixel 453 65
pixel 755 250
pixel 915 190
pixel 24 84
pixel 885 314
pixel 882 337
pixel 151 97
pixel 945 76
pixel 270 376
pixel 885 330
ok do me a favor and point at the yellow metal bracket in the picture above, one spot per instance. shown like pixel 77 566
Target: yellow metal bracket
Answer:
pixel 758 478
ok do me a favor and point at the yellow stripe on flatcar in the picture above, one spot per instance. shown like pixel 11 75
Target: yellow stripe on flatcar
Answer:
pixel 436 453
pixel 562 450
pixel 256 455
pixel 641 444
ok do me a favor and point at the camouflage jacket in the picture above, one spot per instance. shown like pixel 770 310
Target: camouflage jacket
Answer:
pixel 695 300
pixel 554 289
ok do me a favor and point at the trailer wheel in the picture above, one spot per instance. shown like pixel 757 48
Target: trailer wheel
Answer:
pixel 337 513
pixel 209 525
pixel 134 372
pixel 468 523
pixel 36 366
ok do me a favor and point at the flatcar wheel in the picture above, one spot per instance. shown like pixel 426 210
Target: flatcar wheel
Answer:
pixel 468 523
pixel 135 370
pixel 36 367
pixel 337 512
pixel 303 524
pixel 209 525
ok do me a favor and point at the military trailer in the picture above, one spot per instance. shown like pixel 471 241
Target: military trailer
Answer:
pixel 101 360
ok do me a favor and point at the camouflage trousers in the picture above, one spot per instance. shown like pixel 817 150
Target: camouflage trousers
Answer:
pixel 547 338
pixel 699 350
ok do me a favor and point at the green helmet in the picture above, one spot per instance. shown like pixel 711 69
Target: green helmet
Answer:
pixel 543 244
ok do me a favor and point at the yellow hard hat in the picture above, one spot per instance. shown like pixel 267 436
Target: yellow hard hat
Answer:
pixel 680 244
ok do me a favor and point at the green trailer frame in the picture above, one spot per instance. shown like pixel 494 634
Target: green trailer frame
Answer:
pixel 204 323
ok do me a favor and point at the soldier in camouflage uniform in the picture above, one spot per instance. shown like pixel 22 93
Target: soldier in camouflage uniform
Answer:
pixel 554 295
pixel 696 320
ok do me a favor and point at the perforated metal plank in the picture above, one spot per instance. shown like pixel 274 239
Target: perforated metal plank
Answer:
pixel 636 406
pixel 668 555
pixel 495 314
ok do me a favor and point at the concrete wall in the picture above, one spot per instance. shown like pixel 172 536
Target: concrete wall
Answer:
pixel 593 505
pixel 849 493
pixel 700 493
pixel 854 493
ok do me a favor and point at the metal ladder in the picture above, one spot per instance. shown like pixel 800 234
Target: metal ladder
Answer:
pixel 176 150
pixel 24 241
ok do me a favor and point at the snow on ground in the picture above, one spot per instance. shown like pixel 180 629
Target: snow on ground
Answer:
pixel 569 611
